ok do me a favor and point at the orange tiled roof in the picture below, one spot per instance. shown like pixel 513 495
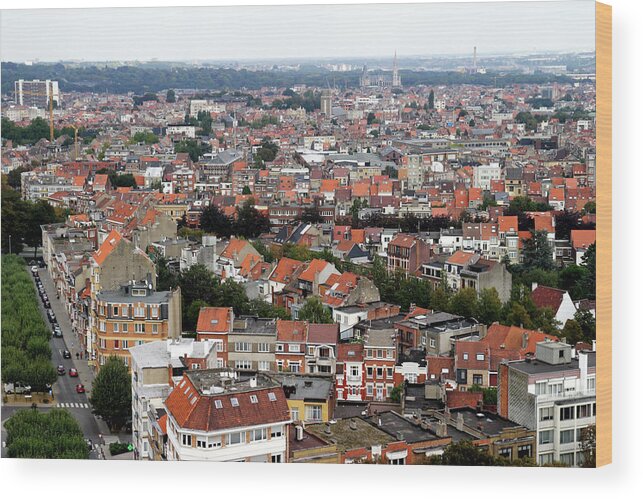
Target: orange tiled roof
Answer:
pixel 110 242
pixel 214 320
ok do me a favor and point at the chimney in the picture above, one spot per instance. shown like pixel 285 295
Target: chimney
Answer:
pixel 525 339
pixel 253 382
pixel 327 430
pixel 441 429
pixel 534 285
pixel 459 422
pixel 379 421
pixel 352 424
pixel 299 433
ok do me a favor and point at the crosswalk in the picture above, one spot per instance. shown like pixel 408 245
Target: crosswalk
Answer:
pixel 73 405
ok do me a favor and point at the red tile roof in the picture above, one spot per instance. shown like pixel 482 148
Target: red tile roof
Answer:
pixel 292 331
pixel 323 333
pixel 110 242
pixel 583 239
pixel 214 320
pixel 546 297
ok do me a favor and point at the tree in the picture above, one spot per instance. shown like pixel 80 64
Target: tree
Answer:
pixel 165 278
pixel 588 260
pixel 193 148
pixel 464 453
pixel 144 137
pixel 590 207
pixel 54 434
pixel 122 180
pixel 397 392
pixel 14 177
pixel 489 307
pixel 198 283
pixel 537 252
pixel 440 299
pixel 464 303
pixel 572 332
pixel 587 323
pixel 246 191
pixel 111 396
pixel 231 294
pixel 572 279
pixel 170 96
pixel 431 99
pixel 38 213
pixel 213 220
pixel 314 311
pixel 588 446
pixel 191 314
pixel 250 223
pixel 370 118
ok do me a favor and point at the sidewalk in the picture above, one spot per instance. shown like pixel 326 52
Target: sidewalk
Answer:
pixel 85 372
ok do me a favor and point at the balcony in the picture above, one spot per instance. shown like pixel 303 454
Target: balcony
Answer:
pixel 574 394
pixel 354 379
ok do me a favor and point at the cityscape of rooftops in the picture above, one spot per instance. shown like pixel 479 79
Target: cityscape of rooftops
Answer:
pixel 315 234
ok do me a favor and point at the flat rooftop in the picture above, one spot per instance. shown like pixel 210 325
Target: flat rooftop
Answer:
pixel 402 428
pixel 347 438
pixel 226 381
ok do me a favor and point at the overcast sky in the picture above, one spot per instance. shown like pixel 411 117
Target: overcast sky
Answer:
pixel 316 31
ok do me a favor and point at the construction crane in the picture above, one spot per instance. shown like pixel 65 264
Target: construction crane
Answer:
pixel 51 107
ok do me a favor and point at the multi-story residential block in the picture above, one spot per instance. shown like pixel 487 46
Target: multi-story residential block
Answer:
pixel 290 351
pixel 217 415
pixel 407 253
pixel 156 367
pixel 321 349
pixel 350 378
pixel 553 394
pixel 311 399
pixel 484 174
pixel 216 323
pixel 36 93
pixel 133 315
pixel 252 343
pixel 435 331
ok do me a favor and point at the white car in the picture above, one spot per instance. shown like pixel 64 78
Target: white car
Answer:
pixel 34 269
pixel 16 388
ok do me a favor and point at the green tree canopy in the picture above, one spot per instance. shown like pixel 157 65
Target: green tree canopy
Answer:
pixel 111 395
pixel 314 311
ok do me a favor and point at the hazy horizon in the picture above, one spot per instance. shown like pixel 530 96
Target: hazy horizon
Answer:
pixel 306 32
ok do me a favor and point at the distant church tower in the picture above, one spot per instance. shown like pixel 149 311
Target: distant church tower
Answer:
pixel 396 76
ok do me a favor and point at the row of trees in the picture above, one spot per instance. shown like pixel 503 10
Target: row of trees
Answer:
pixel 26 354
pixel 54 434
pixel 39 129
pixel 248 222
pixel 111 395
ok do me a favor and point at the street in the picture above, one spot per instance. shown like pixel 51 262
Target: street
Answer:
pixel 64 389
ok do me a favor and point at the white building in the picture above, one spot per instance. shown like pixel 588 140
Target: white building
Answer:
pixel 36 93
pixel 554 395
pixel 156 367
pixel 216 415
pixel 484 174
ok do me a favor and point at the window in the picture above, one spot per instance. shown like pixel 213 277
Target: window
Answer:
pixel 555 388
pixel 202 442
pixel 101 326
pixel 293 366
pixel 294 347
pixel 432 342
pixel 276 458
pixel 369 372
pixel 234 438
pixel 264 365
pixel 280 347
pixel 272 397
pixel 139 311
pixel 389 372
pixel 259 435
pixel 139 328
pixel 218 404
pixel 524 451
pixel 477 379
pixel 567 458
pixel 584 411
pixel 214 442
pixel 264 347
pixel 566 413
pixel 116 345
pixel 124 344
pixel 253 399
pixel 115 310
pixel 541 388
pixel 465 356
pixel 155 328
pixel 389 354
pixel 276 432
pixel 240 346
pixel 186 440
pixel 234 402
pixel 313 413
pixel 479 356
pixel 243 364
pixel 546 437
pixel 566 436
pixel 115 327
pixel 546 413
pixel 505 452
pixel 294 414
pixel 124 328
pixel 102 343
pixel 369 390
pixel 380 372
pixel 354 371
pixel 546 458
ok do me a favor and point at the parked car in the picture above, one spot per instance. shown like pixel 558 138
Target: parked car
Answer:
pixel 61 370
pixel 66 354
pixel 34 269
pixel 80 388
pixel 16 388
pixel 58 333
pixel 73 373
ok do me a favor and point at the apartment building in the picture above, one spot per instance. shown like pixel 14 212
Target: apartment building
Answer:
pixel 252 344
pixel 217 415
pixel 553 394
pixel 133 315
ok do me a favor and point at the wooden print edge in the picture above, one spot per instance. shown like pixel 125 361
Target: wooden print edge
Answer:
pixel 604 233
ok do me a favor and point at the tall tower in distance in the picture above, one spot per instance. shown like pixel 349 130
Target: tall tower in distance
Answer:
pixel 475 59
pixel 396 82
pixel 326 102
